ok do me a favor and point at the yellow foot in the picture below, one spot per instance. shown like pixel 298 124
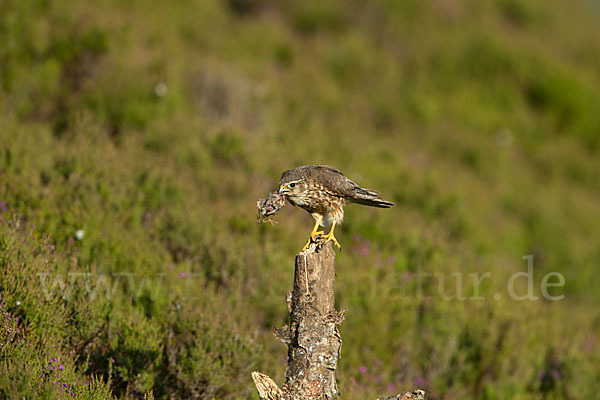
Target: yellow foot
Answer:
pixel 330 238
pixel 306 245
pixel 314 237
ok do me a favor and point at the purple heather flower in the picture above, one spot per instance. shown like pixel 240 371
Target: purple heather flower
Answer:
pixel 43 375
pixel 542 373
pixel 419 381
pixel 61 367
pixel 365 249
pixel 32 225
pixel 391 387
pixel 362 369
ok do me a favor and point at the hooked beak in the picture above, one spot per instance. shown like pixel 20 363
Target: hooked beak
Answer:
pixel 283 189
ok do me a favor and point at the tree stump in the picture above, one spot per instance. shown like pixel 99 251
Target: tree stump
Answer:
pixel 312 338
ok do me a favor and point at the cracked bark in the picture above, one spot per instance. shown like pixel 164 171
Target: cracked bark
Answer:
pixel 312 338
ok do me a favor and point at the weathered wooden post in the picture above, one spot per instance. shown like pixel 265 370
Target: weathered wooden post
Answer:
pixel 312 338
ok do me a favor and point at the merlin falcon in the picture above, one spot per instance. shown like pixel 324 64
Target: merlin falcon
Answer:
pixel 323 191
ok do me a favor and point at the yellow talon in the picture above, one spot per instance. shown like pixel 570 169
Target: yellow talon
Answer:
pixel 317 235
pixel 306 245
pixel 314 237
pixel 331 238
pixel 334 240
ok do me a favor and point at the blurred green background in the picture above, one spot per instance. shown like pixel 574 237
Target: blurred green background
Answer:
pixel 153 127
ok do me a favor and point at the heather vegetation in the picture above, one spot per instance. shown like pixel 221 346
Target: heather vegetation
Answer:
pixel 136 138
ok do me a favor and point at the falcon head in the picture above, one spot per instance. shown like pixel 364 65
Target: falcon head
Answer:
pixel 292 183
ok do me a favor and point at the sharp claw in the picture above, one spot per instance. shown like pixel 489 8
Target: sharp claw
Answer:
pixel 317 236
pixel 331 238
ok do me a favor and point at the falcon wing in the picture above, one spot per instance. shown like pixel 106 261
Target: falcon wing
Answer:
pixel 337 183
pixel 333 180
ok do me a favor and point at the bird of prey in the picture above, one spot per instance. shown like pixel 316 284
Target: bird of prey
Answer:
pixel 323 191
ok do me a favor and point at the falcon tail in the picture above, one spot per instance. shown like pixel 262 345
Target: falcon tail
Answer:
pixel 371 198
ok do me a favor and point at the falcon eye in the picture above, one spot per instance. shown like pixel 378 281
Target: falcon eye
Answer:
pixel 292 185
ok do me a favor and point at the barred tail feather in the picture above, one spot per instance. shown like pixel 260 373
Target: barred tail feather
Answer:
pixel 370 198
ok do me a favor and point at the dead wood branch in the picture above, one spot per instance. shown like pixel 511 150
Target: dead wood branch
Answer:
pixel 313 340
